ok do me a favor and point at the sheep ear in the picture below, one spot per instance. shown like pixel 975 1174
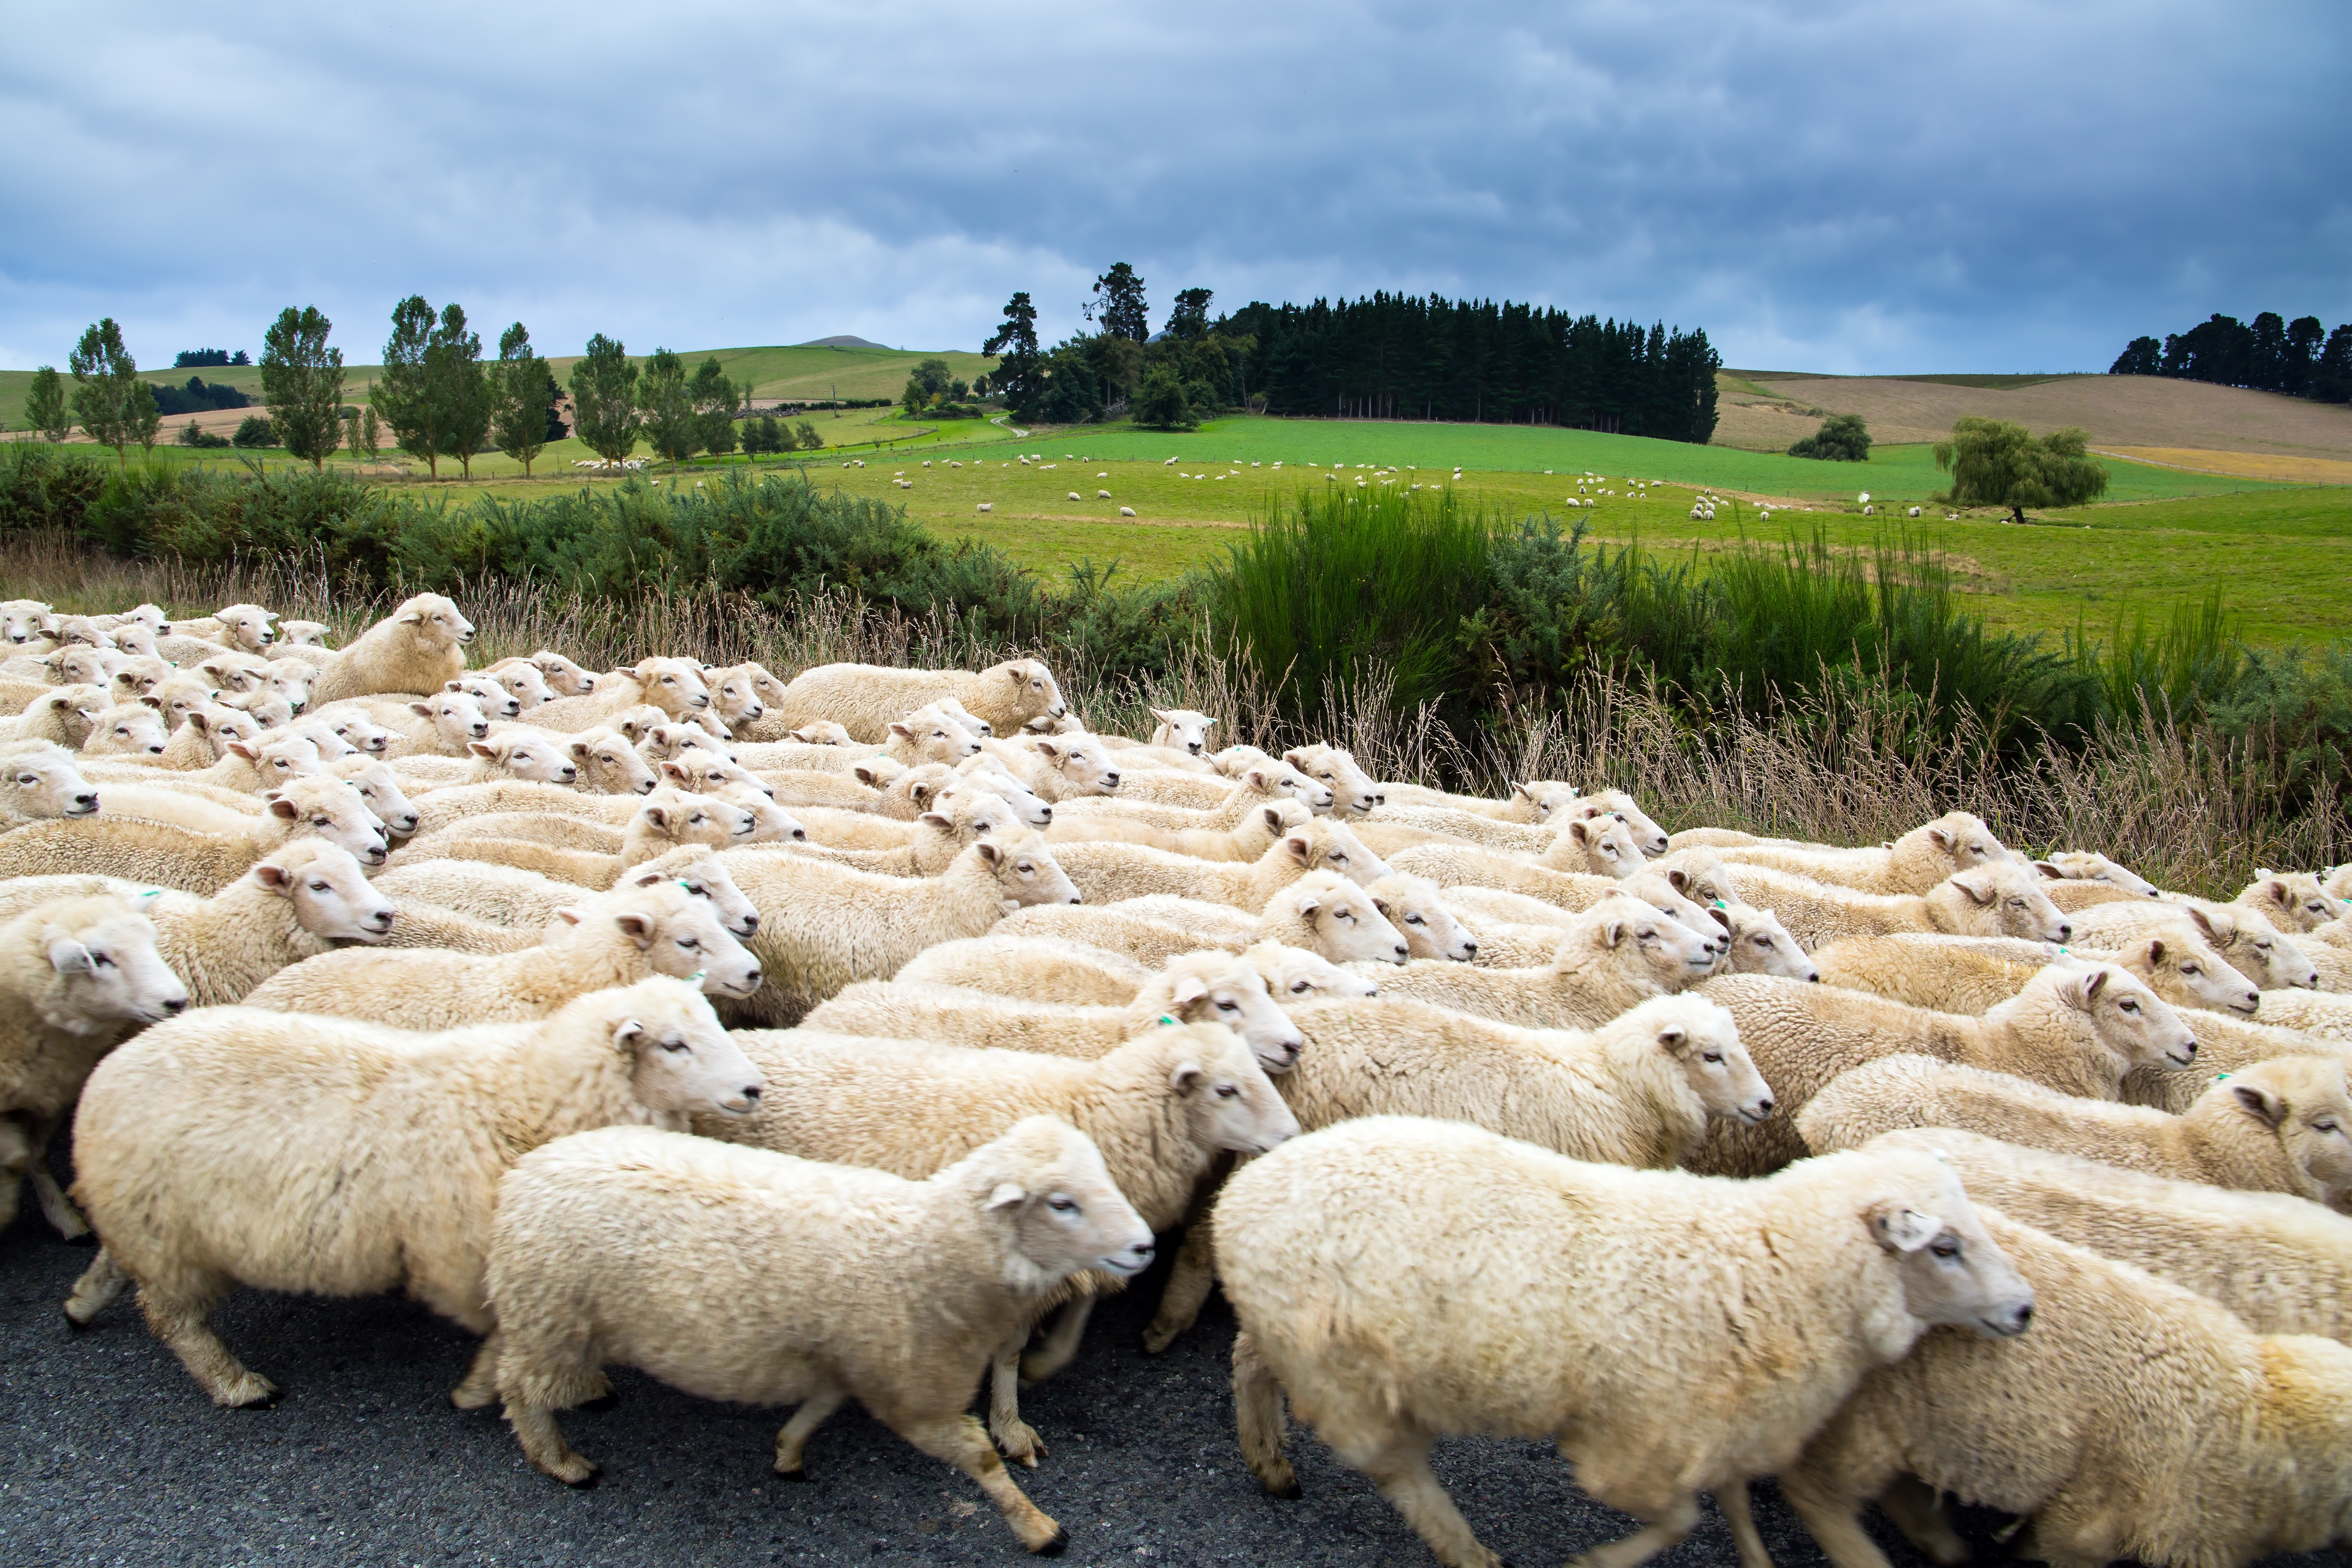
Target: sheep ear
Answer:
pixel 414 618
pixel 1381 904
pixel 2204 923
pixel 422 710
pixel 1188 988
pixel 1901 1228
pixel 1522 791
pixel 204 725
pixel 1612 932
pixel 1722 916
pixel 1943 837
pixel 990 851
pixel 1673 1039
pixel 658 815
pixel 901 727
pixel 1257 780
pixel 275 877
pixel 1161 714
pixel 2083 991
pixel 1977 888
pixel 154 703
pixel 2260 1103
pixel 451 686
pixel 1680 881
pixel 2278 892
pixel 579 749
pixel 921 792
pixel 246 748
pixel 1187 1077
pixel 939 820
pixel 1292 756
pixel 2047 869
pixel 673 771
pixel 1300 848
pixel 1274 819
pixel 279 806
pixel 638 928
pixel 1047 749
pixel 863 774
pixel 571 917
pixel 67 956
pixel 1007 1195
pixel 2155 950
pixel 1579 832
pixel 481 748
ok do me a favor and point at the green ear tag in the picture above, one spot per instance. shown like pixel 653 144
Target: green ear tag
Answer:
pixel 1167 1020
pixel 2220 1076
pixel 684 883
pixel 697 974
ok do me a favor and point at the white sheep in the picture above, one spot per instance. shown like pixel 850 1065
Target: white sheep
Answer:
pixel 1041 969
pixel 1998 899
pixel 162 853
pixel 77 972
pixel 39 781
pixel 2137 1420
pixel 2279 1126
pixel 1108 872
pixel 416 648
pixel 2249 944
pixel 2083 866
pixel 1161 1106
pixel 848 1283
pixel 864 698
pixel 618 939
pixel 675 685
pixel 1613 957
pixel 1364 1297
pixel 238 1146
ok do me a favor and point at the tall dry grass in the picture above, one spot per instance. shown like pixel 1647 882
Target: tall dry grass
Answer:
pixel 1839 766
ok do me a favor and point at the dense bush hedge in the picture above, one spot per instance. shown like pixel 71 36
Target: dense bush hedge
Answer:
pixel 1410 599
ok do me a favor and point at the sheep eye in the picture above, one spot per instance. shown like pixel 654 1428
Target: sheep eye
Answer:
pixel 2128 1005
pixel 318 886
pixel 1413 920
pixel 676 1047
pixel 1061 1204
pixel 689 943
pixel 1944 1246
pixel 100 960
pixel 1227 1091
pixel 1300 988
pixel 1713 1056
pixel 2326 1126
pixel 1761 940
pixel 321 823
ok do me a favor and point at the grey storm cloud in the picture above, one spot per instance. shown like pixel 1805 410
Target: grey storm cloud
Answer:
pixel 1894 184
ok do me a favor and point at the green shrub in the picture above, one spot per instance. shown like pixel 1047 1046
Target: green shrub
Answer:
pixel 254 431
pixel 1843 438
pixel 47 488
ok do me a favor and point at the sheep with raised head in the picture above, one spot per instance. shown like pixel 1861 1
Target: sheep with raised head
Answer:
pixel 416 648
pixel 2080 1031
pixel 77 973
pixel 1617 955
pixel 2000 897
pixel 2136 1420
pixel 1362 1296
pixel 2279 1126
pixel 618 939
pixel 1109 872
pixel 2086 865
pixel 864 698
pixel 237 1146
pixel 847 1283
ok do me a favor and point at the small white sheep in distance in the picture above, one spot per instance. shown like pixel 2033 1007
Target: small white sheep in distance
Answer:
pixel 2137 1420
pixel 1108 872
pixel 77 973
pixel 1951 975
pixel 237 1146
pixel 2084 866
pixel 2250 944
pixel 1207 987
pixel 1998 899
pixel 864 698
pixel 824 927
pixel 1615 957
pixel 295 903
pixel 850 1283
pixel 2279 1126
pixel 416 648
pixel 2078 1030
pixel 1361 1296
pixel 158 854
pixel 40 781
pixel 1161 1105
pixel 563 678
pixel 1639 1090
pixel 618 939
pixel 2281 1263
pixel 675 685
pixel 1038 968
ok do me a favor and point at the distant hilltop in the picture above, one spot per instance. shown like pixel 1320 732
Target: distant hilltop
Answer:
pixel 846 340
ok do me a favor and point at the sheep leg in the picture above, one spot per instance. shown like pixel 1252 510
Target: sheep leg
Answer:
pixel 179 1321
pixel 15 1159
pixel 1918 1509
pixel 1654 1536
pixel 1398 1462
pixel 99 1283
pixel 1833 1515
pixel 1259 1418
pixel 1015 1437
pixel 543 1445
pixel 56 1207
pixel 959 1440
pixel 793 1435
pixel 1061 1346
pixel 482 1381
pixel 1741 1520
pixel 1187 1291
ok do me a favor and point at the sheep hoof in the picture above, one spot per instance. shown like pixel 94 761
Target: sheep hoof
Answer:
pixel 1054 1546
pixel 601 1404
pixel 78 1325
pixel 82 1237
pixel 1156 1339
pixel 586 1483
pixel 791 1475
pixel 264 1397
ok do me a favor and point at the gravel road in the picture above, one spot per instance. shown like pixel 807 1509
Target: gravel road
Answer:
pixel 109 1456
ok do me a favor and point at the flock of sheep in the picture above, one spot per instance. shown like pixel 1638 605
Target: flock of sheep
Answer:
pixel 846 1039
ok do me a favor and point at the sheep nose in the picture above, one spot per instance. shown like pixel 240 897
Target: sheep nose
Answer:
pixel 381 920
pixel 175 1005
pixel 1111 779
pixel 750 1092
pixel 752 978
pixel 1047 814
pixel 481 730
pixel 1469 947
pixel 702 702
pixel 754 711
pixel 1764 1105
pixel 646 787
pixel 87 802
pixel 1814 977
pixel 156 751
pixel 1074 899
pixel 1401 951
pixel 1194 748
pixel 2065 930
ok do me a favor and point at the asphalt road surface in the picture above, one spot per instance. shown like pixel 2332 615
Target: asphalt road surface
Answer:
pixel 108 1454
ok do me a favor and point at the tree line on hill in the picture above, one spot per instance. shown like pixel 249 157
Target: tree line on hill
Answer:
pixel 1388 356
pixel 2299 358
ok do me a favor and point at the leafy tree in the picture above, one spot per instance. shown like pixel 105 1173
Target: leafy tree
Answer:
pixel 302 383
pixel 252 432
pixel 108 399
pixel 673 430
pixel 199 359
pixel 715 400
pixel 44 404
pixel 807 438
pixel 605 400
pixel 455 376
pixel 764 435
pixel 193 435
pixel 1843 438
pixel 1117 304
pixel 927 384
pixel 2331 380
pixel 1190 320
pixel 1160 403
pixel 1015 344
pixel 980 386
pixel 1995 463
pixel 405 393
pixel 2141 356
pixel 362 434
pixel 518 387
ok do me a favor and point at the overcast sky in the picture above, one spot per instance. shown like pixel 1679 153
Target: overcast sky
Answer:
pixel 1879 186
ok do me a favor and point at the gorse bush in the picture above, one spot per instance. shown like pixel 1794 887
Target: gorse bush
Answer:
pixel 1442 641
